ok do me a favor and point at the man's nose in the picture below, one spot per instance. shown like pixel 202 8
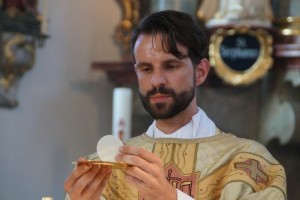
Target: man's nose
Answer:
pixel 158 79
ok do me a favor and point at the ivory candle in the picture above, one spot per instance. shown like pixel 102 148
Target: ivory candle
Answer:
pixel 122 105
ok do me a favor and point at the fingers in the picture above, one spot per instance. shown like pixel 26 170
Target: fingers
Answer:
pixel 145 172
pixel 74 176
pixel 96 186
pixel 139 152
pixel 138 177
pixel 136 182
pixel 104 182
pixel 82 183
pixel 138 157
pixel 144 167
pixel 87 181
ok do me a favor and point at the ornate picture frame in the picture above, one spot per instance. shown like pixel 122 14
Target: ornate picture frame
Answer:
pixel 241 55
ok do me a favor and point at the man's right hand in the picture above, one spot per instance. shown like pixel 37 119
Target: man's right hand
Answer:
pixel 87 181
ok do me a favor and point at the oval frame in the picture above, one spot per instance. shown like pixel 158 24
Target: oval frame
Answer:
pixel 256 71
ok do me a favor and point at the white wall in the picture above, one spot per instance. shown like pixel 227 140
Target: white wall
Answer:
pixel 64 107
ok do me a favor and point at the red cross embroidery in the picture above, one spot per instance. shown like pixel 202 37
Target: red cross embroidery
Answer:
pixel 254 170
pixel 184 182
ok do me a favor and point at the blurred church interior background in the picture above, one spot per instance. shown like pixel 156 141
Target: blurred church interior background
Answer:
pixel 58 108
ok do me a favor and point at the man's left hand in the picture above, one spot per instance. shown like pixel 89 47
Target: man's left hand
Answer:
pixel 145 172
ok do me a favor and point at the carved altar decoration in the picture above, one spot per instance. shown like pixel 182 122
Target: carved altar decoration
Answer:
pixel 21 29
pixel 131 16
pixel 236 12
pixel 240 56
pixel 287 48
pixel 240 38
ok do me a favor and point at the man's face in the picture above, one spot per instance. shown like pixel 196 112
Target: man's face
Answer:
pixel 166 84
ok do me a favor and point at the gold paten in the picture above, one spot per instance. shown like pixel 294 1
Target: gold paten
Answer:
pixel 114 165
pixel 256 71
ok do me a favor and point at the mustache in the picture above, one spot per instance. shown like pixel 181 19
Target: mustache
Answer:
pixel 160 90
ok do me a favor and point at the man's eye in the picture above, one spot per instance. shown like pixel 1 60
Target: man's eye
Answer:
pixel 171 67
pixel 146 69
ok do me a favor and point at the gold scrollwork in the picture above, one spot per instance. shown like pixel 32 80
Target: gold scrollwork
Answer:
pixel 131 16
pixel 288 26
pixel 256 71
pixel 11 69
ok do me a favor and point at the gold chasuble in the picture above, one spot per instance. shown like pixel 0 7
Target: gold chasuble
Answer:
pixel 218 167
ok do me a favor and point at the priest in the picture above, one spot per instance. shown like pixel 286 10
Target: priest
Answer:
pixel 182 155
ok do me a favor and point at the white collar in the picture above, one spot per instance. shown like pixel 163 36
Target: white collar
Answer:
pixel 199 126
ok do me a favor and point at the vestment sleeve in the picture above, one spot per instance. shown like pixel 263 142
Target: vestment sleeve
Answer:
pixel 242 191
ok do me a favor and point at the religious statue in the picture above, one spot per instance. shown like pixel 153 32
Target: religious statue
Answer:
pixel 236 12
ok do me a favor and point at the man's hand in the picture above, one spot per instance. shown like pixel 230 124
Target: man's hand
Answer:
pixel 87 181
pixel 145 172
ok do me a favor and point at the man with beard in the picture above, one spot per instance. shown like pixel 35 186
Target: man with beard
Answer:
pixel 182 155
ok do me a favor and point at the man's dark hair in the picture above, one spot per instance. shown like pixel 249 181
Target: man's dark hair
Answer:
pixel 176 28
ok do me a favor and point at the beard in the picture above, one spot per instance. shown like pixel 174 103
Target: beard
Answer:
pixel 167 110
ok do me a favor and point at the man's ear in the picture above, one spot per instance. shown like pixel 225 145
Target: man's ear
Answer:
pixel 202 70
